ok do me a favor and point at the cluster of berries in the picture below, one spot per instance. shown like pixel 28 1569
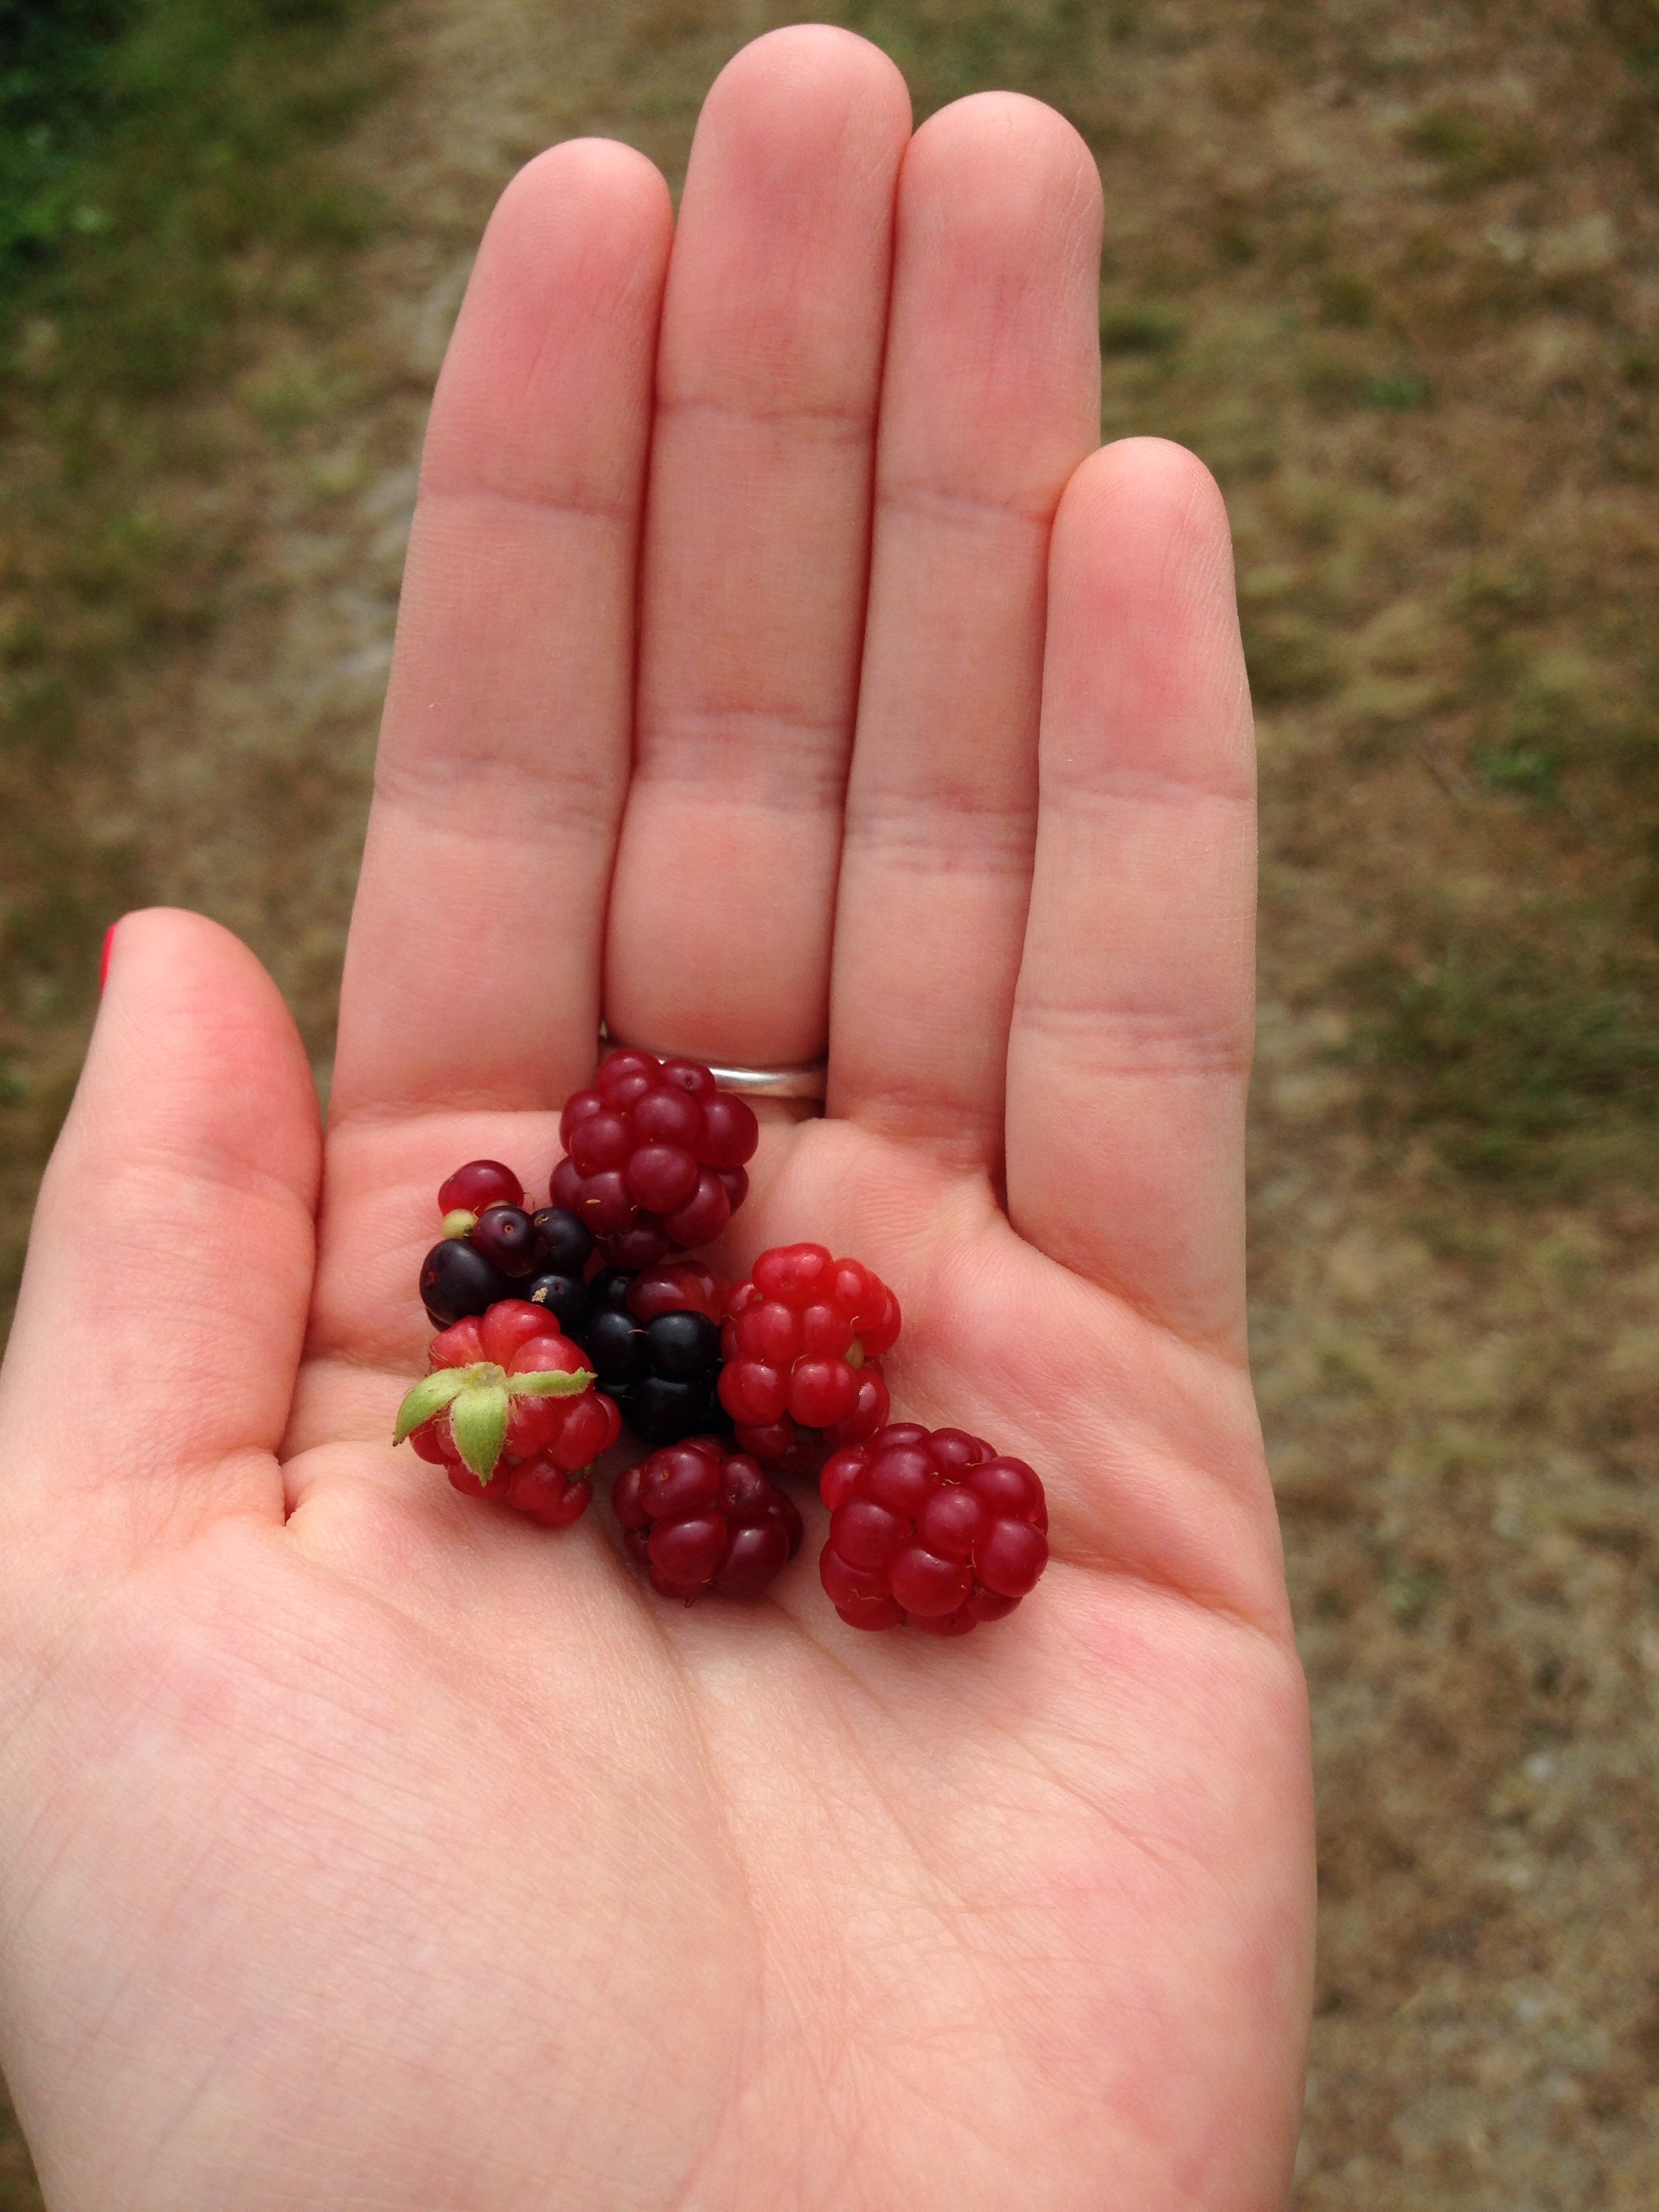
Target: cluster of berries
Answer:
pixel 559 1328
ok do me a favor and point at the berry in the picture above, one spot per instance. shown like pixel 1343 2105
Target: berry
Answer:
pixel 798 1341
pixel 507 1235
pixel 548 1494
pixel 457 1279
pixel 563 1248
pixel 612 1337
pixel 492 1248
pixel 478 1184
pixel 698 1520
pixel 654 1156
pixel 504 1390
pixel 564 1297
pixel 655 1345
pixel 676 1397
pixel 931 1529
pixel 562 1245
pixel 679 1286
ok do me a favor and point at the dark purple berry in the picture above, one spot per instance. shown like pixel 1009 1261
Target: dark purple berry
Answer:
pixel 565 1297
pixel 685 1347
pixel 457 1279
pixel 610 1287
pixel 679 1397
pixel 660 1411
pixel 615 1342
pixel 563 1244
pixel 507 1235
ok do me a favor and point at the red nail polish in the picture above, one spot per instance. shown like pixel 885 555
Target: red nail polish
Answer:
pixel 103 965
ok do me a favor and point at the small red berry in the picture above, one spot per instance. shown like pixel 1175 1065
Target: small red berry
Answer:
pixel 931 1529
pixel 698 1520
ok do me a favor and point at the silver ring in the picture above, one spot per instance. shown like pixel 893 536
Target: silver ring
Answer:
pixel 806 1080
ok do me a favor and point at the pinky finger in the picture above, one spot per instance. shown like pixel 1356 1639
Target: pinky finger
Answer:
pixel 1129 1053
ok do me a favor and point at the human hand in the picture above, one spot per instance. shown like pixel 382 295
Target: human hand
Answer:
pixel 359 1845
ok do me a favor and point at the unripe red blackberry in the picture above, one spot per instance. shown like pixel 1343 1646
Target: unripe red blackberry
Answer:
pixel 799 1339
pixel 654 1156
pixel 697 1519
pixel 931 1529
pixel 506 1397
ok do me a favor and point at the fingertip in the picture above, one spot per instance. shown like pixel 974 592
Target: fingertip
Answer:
pixel 1027 148
pixel 1152 483
pixel 190 1016
pixel 582 167
pixel 562 301
pixel 1141 571
pixel 815 74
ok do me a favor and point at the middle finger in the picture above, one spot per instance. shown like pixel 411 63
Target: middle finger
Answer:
pixel 756 550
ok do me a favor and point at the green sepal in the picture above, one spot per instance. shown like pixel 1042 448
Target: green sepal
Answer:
pixel 429 1396
pixel 477 1421
pixel 550 1383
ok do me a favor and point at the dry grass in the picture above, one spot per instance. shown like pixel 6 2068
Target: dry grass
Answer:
pixel 1394 272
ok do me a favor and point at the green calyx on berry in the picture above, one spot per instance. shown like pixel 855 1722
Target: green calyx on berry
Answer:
pixel 479 1400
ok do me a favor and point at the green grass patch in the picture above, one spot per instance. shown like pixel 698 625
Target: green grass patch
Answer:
pixel 1141 329
pixel 53 92
pixel 152 147
pixel 1398 391
pixel 1473 148
pixel 1505 1056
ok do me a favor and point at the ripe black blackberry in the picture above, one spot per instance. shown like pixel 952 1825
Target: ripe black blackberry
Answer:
pixel 663 1373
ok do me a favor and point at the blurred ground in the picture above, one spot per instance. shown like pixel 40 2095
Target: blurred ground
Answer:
pixel 1393 272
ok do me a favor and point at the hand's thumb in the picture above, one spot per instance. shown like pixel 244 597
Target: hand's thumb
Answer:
pixel 163 1307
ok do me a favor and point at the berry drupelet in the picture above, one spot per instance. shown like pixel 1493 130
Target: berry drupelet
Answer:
pixel 656 1157
pixel 699 1520
pixel 931 1529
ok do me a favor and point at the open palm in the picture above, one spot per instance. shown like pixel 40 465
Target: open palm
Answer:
pixel 777 665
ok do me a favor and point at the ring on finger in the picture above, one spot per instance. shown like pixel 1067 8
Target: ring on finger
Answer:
pixel 806 1080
